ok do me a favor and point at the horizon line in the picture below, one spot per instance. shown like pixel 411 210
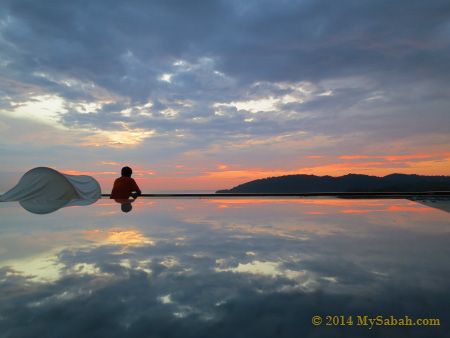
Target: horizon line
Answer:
pixel 306 194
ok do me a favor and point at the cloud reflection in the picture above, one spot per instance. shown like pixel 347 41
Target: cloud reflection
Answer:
pixel 117 236
pixel 201 272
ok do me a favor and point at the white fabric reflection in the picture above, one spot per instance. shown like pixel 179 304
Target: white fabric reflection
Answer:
pixel 44 190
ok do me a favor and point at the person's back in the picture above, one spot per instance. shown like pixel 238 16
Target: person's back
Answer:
pixel 125 186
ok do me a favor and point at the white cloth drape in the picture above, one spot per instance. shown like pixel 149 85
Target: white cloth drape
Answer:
pixel 43 190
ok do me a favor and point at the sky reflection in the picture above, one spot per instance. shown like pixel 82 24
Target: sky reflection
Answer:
pixel 194 268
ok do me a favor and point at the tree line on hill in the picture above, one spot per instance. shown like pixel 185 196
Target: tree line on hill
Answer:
pixel 346 183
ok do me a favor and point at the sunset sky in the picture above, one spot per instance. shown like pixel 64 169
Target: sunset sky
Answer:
pixel 206 95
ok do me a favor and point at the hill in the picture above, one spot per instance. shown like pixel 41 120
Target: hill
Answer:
pixel 346 183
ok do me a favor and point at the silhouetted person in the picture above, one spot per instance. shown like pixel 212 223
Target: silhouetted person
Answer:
pixel 125 204
pixel 125 187
pixel 126 207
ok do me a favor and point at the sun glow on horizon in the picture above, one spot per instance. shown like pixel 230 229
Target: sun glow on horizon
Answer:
pixel 225 176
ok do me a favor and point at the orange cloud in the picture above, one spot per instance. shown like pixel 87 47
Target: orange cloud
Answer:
pixel 108 163
pixel 128 237
pixel 90 173
pixel 408 157
pixel 356 156
pixel 336 169
pixel 390 209
pixel 317 201
pixel 396 157
pixel 143 172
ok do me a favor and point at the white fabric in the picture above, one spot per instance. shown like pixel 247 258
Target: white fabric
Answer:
pixel 43 190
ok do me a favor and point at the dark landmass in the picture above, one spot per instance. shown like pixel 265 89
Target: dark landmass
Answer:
pixel 347 183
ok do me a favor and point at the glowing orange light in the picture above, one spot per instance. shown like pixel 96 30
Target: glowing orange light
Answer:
pixel 396 157
pixel 90 173
pixel 390 209
pixel 128 237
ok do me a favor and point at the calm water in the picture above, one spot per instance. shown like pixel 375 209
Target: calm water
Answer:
pixel 224 268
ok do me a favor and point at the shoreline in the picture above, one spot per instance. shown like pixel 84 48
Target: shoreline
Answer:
pixel 422 194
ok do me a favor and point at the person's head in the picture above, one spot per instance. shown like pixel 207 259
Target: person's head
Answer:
pixel 126 171
pixel 126 207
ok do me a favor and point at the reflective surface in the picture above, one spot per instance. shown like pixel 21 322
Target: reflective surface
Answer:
pixel 224 268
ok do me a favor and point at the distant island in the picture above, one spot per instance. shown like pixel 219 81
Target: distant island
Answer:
pixel 346 183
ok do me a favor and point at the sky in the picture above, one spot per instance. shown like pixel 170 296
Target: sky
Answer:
pixel 206 95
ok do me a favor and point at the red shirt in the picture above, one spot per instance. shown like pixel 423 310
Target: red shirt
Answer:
pixel 123 186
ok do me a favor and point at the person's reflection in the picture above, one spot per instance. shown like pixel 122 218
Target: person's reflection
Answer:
pixel 125 204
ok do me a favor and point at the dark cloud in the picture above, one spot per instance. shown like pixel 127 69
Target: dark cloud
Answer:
pixel 103 119
pixel 376 70
pixel 120 45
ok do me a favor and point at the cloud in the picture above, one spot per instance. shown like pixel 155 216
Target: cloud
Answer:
pixel 189 272
pixel 180 77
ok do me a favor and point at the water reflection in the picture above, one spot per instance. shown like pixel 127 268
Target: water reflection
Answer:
pixel 224 268
pixel 42 206
pixel 441 203
pixel 125 204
